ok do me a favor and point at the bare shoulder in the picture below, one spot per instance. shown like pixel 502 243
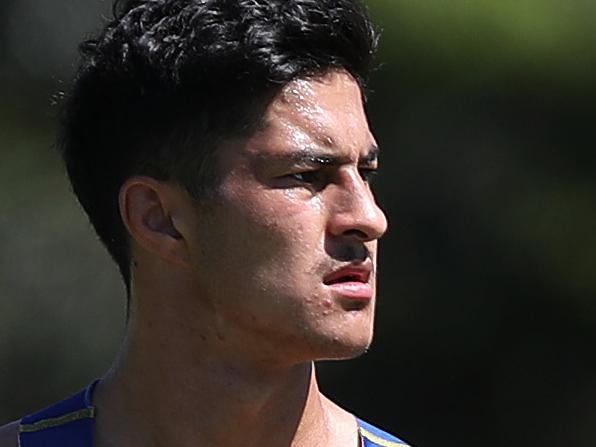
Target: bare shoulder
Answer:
pixel 9 434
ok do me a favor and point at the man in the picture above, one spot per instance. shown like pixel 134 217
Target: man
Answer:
pixel 222 153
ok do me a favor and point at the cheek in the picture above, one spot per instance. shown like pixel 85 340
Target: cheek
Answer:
pixel 253 242
pixel 272 238
pixel 285 218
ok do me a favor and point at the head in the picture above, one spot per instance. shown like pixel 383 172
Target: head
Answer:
pixel 200 94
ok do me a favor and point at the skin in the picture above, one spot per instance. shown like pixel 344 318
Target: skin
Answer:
pixel 229 302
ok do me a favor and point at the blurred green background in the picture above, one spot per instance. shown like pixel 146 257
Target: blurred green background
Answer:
pixel 487 315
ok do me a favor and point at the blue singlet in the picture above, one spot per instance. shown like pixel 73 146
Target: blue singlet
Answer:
pixel 69 423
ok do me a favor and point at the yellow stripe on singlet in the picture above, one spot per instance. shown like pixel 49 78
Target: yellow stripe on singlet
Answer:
pixel 60 420
pixel 377 440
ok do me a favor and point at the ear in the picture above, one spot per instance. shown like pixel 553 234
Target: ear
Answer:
pixel 150 210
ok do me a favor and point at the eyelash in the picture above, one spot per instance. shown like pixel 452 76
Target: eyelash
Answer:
pixel 368 175
pixel 310 177
pixel 305 177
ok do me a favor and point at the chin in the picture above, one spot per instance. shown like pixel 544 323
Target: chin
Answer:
pixel 347 347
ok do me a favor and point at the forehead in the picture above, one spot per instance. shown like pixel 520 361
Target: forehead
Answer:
pixel 323 111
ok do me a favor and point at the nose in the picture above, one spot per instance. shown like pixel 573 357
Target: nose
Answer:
pixel 355 212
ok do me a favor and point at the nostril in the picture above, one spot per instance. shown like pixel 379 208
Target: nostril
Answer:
pixel 356 233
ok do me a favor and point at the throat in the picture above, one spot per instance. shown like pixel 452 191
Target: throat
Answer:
pixel 284 410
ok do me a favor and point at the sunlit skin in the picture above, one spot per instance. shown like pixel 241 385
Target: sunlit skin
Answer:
pixel 295 205
pixel 233 300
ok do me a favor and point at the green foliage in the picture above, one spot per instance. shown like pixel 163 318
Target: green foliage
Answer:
pixel 484 111
pixel 548 39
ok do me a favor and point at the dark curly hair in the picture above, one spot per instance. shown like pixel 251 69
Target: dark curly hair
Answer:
pixel 167 80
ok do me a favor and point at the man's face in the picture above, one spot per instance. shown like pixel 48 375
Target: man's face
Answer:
pixel 287 254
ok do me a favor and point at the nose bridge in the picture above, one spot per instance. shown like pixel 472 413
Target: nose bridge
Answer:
pixel 357 209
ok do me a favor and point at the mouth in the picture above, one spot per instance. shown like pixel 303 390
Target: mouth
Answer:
pixel 352 283
pixel 348 274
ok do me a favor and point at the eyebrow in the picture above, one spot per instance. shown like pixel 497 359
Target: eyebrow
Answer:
pixel 314 156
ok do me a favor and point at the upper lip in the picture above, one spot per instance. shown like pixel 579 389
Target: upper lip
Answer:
pixel 355 273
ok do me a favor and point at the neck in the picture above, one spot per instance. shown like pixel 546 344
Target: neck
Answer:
pixel 187 377
pixel 173 387
pixel 178 408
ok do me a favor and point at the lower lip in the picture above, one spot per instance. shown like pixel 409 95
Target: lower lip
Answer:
pixel 353 290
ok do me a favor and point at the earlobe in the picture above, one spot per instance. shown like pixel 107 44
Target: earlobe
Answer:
pixel 146 207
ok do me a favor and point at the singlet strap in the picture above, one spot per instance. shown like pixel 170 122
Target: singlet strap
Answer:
pixel 68 423
pixel 375 437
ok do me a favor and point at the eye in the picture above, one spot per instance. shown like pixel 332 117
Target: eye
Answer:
pixel 368 174
pixel 314 180
pixel 305 177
